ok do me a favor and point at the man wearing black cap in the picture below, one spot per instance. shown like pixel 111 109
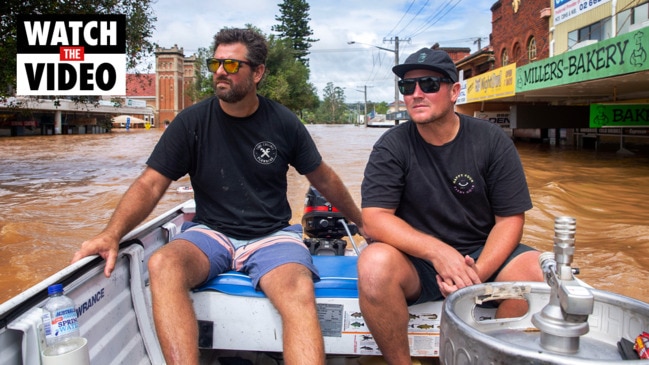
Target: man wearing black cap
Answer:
pixel 444 199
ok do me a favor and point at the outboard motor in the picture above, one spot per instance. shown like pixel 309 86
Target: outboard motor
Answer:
pixel 325 226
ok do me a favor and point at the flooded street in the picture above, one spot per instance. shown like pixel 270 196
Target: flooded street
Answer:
pixel 57 191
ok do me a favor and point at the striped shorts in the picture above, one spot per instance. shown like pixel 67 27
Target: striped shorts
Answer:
pixel 254 257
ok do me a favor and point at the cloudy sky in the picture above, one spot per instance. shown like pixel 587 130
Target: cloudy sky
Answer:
pixel 191 24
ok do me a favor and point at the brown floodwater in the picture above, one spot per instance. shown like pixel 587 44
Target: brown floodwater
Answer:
pixel 57 191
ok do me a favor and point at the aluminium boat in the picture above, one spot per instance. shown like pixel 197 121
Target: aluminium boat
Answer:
pixel 236 322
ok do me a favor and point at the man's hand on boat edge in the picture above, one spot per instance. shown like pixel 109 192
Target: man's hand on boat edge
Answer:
pixel 103 246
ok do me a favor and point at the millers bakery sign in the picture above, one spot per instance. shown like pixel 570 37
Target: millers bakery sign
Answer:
pixel 624 54
pixel 71 55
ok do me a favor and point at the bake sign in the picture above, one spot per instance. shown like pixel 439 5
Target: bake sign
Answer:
pixel 71 55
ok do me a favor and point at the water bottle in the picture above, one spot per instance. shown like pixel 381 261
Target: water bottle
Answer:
pixel 60 323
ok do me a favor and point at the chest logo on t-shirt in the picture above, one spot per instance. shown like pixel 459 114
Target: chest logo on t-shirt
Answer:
pixel 463 184
pixel 265 152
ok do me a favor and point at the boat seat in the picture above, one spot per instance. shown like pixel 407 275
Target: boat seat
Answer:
pixel 338 279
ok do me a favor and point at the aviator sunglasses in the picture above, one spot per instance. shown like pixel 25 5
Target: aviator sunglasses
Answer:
pixel 427 84
pixel 231 66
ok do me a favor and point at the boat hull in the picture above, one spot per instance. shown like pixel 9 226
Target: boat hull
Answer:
pixel 115 313
pixel 253 324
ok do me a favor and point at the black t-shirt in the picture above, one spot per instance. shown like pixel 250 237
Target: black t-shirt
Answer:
pixel 237 166
pixel 452 192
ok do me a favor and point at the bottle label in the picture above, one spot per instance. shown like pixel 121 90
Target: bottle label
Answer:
pixel 47 324
pixel 63 322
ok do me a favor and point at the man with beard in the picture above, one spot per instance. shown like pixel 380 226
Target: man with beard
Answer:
pixel 236 148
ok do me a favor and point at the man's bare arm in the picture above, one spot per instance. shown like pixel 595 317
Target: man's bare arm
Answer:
pixel 136 204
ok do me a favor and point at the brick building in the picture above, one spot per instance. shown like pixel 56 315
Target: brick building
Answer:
pixel 549 82
pixel 142 88
pixel 477 63
pixel 167 91
pixel 174 77
pixel 520 31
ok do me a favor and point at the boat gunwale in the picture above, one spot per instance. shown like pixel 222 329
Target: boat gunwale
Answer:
pixel 23 302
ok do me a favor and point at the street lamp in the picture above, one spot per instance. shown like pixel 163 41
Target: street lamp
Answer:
pixel 396 62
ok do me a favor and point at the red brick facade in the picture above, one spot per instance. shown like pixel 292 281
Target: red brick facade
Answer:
pixel 188 79
pixel 167 91
pixel 515 25
pixel 174 77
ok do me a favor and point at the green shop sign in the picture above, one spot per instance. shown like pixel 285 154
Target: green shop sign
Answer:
pixel 624 54
pixel 619 115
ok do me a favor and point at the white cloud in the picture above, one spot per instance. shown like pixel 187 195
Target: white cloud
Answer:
pixel 191 24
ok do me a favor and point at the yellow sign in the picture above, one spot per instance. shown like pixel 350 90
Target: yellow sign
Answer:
pixel 495 84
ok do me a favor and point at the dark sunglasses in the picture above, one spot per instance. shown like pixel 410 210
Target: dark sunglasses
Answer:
pixel 231 66
pixel 427 84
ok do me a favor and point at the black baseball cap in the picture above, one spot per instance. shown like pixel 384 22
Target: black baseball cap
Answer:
pixel 428 59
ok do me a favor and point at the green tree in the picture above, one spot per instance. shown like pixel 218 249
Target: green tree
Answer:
pixel 294 26
pixel 382 107
pixel 139 28
pixel 333 108
pixel 287 79
pixel 203 86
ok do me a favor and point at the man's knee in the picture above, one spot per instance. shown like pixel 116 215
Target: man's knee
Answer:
pixel 524 267
pixel 290 288
pixel 289 279
pixel 159 260
pixel 179 261
pixel 381 266
pixel 376 258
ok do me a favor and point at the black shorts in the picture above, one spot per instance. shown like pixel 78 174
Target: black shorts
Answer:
pixel 427 273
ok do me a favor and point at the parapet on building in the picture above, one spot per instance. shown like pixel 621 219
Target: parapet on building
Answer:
pixel 167 91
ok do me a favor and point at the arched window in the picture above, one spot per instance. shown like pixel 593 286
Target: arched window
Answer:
pixel 531 49
pixel 516 53
pixel 504 58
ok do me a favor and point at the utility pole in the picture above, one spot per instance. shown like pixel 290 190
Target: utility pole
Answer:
pixel 358 109
pixel 364 91
pixel 479 42
pixel 396 62
pixel 365 96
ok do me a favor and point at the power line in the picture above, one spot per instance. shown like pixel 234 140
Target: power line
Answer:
pixel 414 17
pixel 403 16
pixel 334 50
pixel 436 17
